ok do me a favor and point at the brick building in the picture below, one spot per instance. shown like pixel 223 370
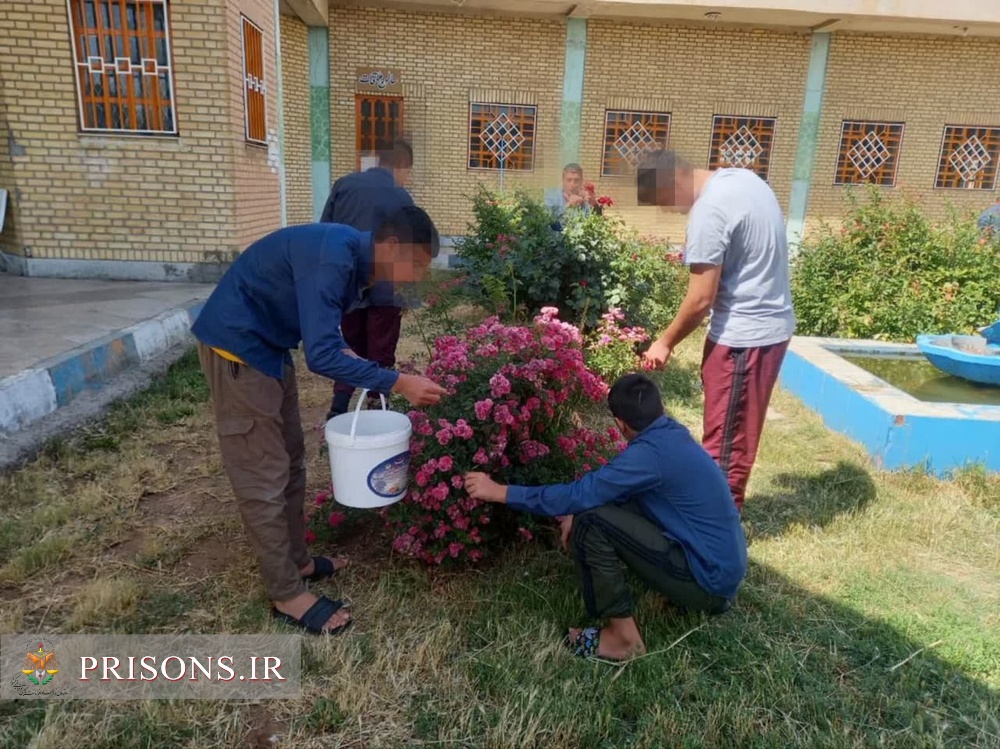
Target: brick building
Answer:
pixel 156 138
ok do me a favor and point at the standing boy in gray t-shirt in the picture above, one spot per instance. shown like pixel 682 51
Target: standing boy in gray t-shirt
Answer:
pixel 738 255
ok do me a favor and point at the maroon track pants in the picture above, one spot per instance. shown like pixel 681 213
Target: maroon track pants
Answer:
pixel 738 384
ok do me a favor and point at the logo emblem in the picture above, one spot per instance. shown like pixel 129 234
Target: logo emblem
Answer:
pixel 388 478
pixel 40 664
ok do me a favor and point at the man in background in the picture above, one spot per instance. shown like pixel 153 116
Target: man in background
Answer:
pixel 738 255
pixel 359 200
pixel 572 194
pixel 989 220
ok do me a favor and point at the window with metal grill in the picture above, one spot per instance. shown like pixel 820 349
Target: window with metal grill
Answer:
pixel 502 136
pixel 742 143
pixel 628 135
pixel 254 87
pixel 869 153
pixel 124 75
pixel 969 158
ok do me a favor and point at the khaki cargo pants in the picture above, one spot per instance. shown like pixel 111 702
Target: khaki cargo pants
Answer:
pixel 263 451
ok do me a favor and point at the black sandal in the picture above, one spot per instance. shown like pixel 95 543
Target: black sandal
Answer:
pixel 323 569
pixel 315 619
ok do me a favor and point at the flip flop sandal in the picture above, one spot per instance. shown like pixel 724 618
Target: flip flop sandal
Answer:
pixel 323 569
pixel 315 619
pixel 586 643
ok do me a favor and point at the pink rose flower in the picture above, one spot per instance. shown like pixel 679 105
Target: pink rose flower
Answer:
pixel 336 518
pixel 483 409
pixel 499 386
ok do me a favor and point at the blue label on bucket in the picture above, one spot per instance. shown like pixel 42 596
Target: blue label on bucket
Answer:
pixel 388 478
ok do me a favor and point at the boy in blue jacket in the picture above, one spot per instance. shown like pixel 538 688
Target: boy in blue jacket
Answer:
pixel 661 508
pixel 295 285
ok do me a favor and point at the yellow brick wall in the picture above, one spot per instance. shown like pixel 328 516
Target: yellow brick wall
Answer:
pixel 923 82
pixel 694 73
pixel 258 205
pixel 443 60
pixel 295 89
pixel 166 199
pixel 10 242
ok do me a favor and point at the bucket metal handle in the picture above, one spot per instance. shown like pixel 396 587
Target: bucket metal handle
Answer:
pixel 357 411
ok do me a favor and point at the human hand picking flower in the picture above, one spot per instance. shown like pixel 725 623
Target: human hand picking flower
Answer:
pixel 481 486
pixel 565 529
pixel 657 356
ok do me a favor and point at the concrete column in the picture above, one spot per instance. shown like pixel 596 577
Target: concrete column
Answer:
pixel 805 158
pixel 572 104
pixel 319 115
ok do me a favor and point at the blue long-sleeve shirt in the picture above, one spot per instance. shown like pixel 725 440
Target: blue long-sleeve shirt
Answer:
pixel 990 218
pixel 294 285
pixel 678 487
pixel 362 200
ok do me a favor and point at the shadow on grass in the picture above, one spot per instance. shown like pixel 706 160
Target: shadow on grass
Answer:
pixel 809 499
pixel 784 668
pixel 680 385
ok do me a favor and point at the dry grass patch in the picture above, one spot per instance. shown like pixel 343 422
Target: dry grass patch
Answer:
pixel 131 528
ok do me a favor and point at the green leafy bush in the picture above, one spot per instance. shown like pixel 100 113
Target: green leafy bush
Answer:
pixel 519 261
pixel 891 274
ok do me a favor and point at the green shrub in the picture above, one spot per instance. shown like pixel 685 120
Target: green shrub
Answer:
pixel 518 261
pixel 891 274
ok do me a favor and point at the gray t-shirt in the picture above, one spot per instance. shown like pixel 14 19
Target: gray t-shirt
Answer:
pixel 737 223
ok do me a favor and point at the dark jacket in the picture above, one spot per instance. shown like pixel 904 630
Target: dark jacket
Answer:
pixel 295 285
pixel 362 200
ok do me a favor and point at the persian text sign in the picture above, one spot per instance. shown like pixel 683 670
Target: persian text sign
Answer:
pixel 379 80
pixel 142 667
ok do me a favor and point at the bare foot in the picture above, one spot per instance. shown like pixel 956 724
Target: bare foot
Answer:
pixel 298 606
pixel 619 641
pixel 338 564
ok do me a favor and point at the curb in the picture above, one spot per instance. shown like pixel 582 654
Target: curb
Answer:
pixel 32 394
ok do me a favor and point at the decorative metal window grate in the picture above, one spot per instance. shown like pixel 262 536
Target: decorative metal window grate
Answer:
pixel 502 136
pixel 742 143
pixel 869 153
pixel 255 90
pixel 124 76
pixel 969 158
pixel 628 135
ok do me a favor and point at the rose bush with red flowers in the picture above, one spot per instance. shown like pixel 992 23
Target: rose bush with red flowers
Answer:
pixel 515 396
pixel 519 258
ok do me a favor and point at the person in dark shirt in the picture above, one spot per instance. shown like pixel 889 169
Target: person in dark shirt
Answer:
pixel 295 285
pixel 358 200
pixel 661 508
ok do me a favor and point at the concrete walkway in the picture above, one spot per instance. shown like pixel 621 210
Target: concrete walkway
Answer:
pixel 68 348
pixel 42 318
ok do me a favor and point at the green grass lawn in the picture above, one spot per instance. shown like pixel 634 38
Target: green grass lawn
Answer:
pixel 870 615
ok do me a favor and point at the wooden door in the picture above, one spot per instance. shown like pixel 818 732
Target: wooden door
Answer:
pixel 378 121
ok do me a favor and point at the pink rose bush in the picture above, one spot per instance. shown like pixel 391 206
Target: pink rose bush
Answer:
pixel 514 393
pixel 612 351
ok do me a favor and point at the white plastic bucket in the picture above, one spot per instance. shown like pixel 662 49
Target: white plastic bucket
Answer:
pixel 369 456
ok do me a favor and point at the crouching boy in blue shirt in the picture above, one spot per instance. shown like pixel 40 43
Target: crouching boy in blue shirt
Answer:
pixel 662 508
pixel 295 285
